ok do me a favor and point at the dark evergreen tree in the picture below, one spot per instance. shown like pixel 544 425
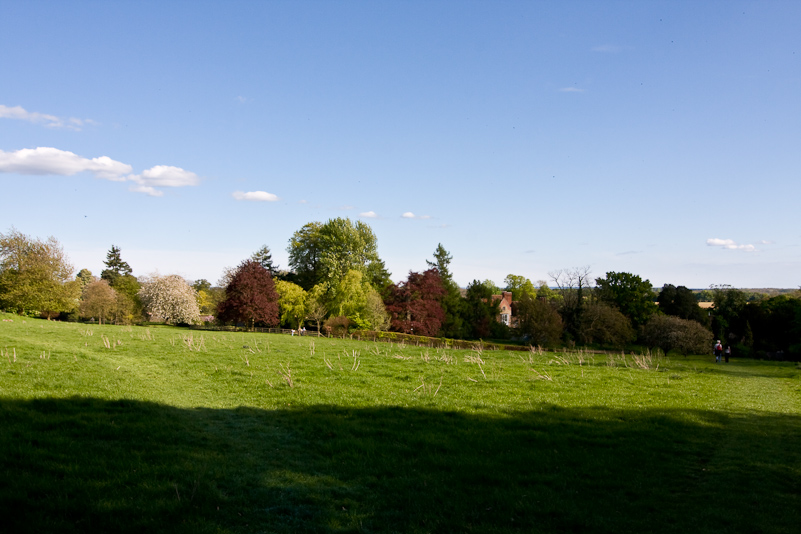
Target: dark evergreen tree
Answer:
pixel 264 257
pixel 115 266
pixel 452 301
pixel 680 302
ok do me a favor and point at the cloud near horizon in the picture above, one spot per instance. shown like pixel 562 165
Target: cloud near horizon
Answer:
pixel 369 214
pixel 44 161
pixel 50 121
pixel 255 196
pixel 729 244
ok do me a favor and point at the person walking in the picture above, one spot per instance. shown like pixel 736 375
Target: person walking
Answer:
pixel 727 353
pixel 718 351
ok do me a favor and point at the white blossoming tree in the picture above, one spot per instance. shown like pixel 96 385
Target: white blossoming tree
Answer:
pixel 171 298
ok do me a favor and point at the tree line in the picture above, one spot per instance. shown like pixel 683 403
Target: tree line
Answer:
pixel 336 283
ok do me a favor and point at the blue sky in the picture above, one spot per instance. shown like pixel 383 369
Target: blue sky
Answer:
pixel 658 138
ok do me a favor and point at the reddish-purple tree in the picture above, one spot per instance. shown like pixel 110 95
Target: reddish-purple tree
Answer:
pixel 415 306
pixel 250 296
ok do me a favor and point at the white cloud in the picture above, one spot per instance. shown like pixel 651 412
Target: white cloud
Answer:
pixel 50 121
pixel 146 189
pixel 255 196
pixel 369 214
pixel 52 161
pixel 165 176
pixel 410 215
pixel 571 90
pixel 729 244
pixel 48 160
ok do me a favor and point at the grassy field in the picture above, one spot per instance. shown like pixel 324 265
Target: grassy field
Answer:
pixel 131 429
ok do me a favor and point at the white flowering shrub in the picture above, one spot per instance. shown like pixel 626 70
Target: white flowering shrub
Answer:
pixel 171 298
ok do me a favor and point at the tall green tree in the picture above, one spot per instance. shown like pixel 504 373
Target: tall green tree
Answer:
pixel 452 302
pixel 115 266
pixel 325 252
pixel 728 321
pixel 84 277
pixel 538 321
pixel 518 286
pixel 629 293
pixel 98 301
pixel 680 302
pixel 35 275
pixel 480 311
pixel 292 303
pixel 264 257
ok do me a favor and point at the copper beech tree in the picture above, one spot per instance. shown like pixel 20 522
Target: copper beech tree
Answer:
pixel 415 305
pixel 250 296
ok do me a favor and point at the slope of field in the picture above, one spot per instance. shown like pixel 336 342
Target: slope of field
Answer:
pixel 131 429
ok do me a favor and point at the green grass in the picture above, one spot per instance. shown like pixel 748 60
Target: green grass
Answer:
pixel 130 429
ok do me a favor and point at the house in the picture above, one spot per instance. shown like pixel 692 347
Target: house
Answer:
pixel 504 301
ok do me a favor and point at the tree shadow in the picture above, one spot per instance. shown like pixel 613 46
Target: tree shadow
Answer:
pixel 83 464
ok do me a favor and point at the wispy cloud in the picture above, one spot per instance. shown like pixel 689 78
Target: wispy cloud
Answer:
pixel 729 244
pixel 52 161
pixel 369 215
pixel 49 161
pixel 410 215
pixel 571 90
pixel 629 252
pixel 255 196
pixel 50 121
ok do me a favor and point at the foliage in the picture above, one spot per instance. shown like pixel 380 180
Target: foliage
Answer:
pixel 632 295
pixel 480 311
pixel 452 301
pixel 115 266
pixel 773 327
pixel 680 302
pixel 292 303
pixel 538 321
pixel 572 286
pixel 325 252
pixel 170 298
pixel 35 275
pixel 518 286
pixel 605 325
pixel 98 301
pixel 316 304
pixel 415 305
pixel 264 257
pixel 728 321
pixel 668 332
pixel 250 296
pixel 85 277
pixel 337 326
pixel 375 314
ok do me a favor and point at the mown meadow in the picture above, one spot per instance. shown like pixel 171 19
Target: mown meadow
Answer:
pixel 161 429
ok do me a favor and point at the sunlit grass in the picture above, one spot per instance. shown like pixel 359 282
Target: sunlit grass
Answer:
pixel 161 429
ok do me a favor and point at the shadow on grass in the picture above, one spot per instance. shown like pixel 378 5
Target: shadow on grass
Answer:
pixel 88 465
